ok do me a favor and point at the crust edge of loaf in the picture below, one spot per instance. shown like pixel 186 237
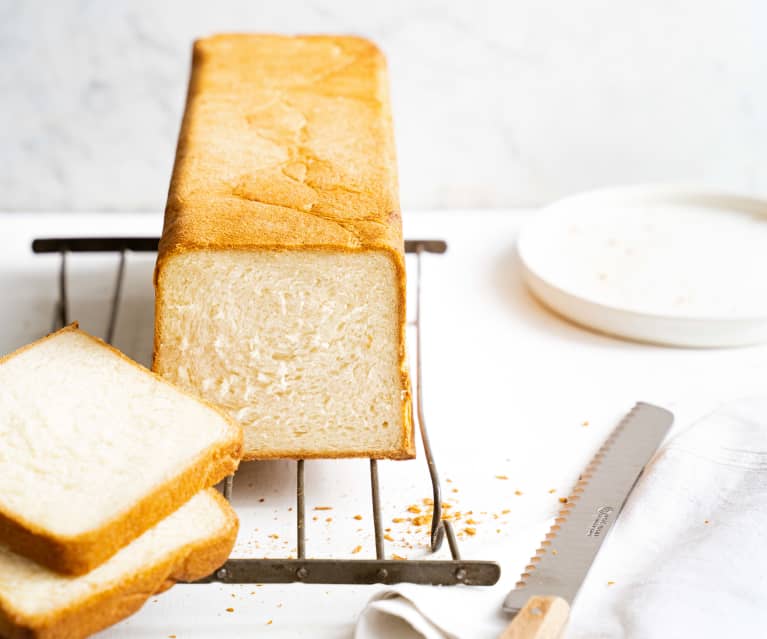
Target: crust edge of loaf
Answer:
pixel 78 554
pixel 105 608
pixel 406 449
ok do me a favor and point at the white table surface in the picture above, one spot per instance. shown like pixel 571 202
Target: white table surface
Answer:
pixel 508 388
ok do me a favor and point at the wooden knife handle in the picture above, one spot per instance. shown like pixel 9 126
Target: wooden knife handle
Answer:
pixel 541 618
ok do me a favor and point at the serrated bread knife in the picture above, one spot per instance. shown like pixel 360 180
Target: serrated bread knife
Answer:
pixel 541 599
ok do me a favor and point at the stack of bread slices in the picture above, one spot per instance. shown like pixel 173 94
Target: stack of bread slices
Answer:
pixel 106 492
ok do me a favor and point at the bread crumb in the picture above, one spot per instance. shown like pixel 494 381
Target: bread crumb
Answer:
pixel 398 520
pixel 505 511
pixel 269 623
pixel 706 521
pixel 447 504
pixel 274 536
pixel 421 520
pixel 171 636
pixel 358 517
pixel 585 423
pixel 449 481
pixel 501 477
pixel 563 500
pixel 323 508
pixel 398 557
pixel 388 537
pixel 329 519
pixel 455 490
pixel 518 492
pixel 552 491
pixel 553 551
pixel 356 550
pixel 610 583
pixel 471 522
pixel 387 529
pixel 470 531
pixel 428 501
pixel 230 609
pixel 315 518
pixel 498 530
pixel 415 508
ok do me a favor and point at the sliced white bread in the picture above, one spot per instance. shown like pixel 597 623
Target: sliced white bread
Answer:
pixel 97 449
pixel 36 602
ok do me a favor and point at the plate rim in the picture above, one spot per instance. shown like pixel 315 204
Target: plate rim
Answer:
pixel 638 192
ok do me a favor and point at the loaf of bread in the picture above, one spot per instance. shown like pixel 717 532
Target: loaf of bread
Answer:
pixel 96 449
pixel 38 603
pixel 280 279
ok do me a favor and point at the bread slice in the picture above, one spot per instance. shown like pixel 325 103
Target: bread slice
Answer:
pixel 96 450
pixel 280 278
pixel 188 545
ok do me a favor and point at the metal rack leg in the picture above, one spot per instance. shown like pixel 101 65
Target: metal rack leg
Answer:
pixel 377 526
pixel 437 525
pixel 62 314
pixel 116 299
pixel 228 485
pixel 300 514
pixel 451 540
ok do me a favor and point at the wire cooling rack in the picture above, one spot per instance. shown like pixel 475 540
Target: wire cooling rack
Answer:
pixel 304 569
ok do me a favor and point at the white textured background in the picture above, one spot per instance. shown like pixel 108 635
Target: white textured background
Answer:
pixel 497 103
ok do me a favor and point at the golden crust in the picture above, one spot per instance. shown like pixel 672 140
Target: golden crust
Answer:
pixel 287 144
pixel 106 607
pixel 79 554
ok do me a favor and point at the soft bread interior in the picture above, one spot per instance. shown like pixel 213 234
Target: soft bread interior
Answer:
pixel 30 590
pixel 301 347
pixel 86 433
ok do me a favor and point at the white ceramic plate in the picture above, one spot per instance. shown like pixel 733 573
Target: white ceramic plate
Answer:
pixel 669 265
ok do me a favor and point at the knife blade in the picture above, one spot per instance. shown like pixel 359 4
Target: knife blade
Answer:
pixel 541 598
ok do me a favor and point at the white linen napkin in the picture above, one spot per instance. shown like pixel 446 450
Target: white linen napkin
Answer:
pixel 687 557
